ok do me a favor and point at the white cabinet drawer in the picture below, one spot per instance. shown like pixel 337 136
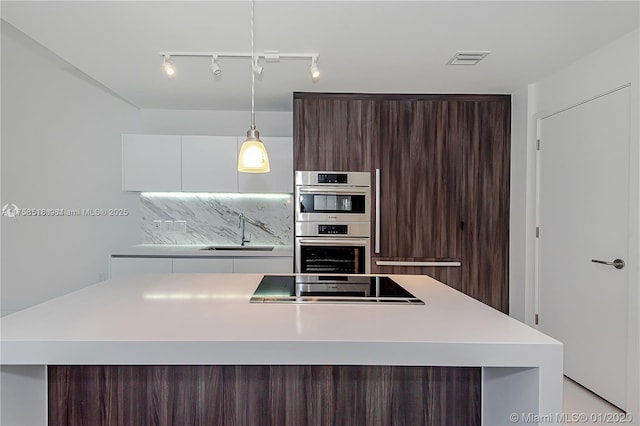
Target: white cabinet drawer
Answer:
pixel 121 266
pixel 268 265
pixel 203 265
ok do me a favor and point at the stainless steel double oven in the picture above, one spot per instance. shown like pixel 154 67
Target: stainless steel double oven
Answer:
pixel 333 222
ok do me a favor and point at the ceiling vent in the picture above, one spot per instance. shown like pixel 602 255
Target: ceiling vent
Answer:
pixel 468 57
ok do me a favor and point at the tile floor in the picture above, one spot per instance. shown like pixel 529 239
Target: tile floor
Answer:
pixel 580 400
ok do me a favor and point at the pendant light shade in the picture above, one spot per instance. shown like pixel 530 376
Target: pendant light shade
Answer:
pixel 253 157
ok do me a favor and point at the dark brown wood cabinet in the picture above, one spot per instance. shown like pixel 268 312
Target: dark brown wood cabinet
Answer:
pixel 391 157
pixel 444 175
pixel 278 395
pixel 486 124
pixel 334 132
pixel 420 165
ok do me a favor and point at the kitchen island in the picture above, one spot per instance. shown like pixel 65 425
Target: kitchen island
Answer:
pixel 157 326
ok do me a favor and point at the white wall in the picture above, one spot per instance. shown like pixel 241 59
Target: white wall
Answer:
pixel 60 149
pixel 606 69
pixel 520 106
pixel 221 123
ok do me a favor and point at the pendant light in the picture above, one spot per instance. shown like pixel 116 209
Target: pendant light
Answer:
pixel 253 157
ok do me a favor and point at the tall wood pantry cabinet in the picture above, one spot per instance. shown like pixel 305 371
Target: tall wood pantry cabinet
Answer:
pixel 443 162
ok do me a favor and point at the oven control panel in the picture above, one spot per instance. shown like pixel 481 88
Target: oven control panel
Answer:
pixel 332 178
pixel 333 229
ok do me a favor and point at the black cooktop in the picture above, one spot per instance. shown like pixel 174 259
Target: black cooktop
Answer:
pixel 355 289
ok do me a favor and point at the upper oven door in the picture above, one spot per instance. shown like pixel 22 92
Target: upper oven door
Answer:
pixel 328 203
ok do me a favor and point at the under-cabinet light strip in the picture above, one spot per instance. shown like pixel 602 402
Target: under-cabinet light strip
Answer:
pixel 183 195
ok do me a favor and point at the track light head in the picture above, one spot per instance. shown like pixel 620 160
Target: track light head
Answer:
pixel 215 66
pixel 314 70
pixel 167 67
pixel 257 68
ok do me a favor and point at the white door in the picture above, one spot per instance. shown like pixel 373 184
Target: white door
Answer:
pixel 583 216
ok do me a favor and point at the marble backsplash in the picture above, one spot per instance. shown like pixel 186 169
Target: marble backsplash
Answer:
pixel 215 218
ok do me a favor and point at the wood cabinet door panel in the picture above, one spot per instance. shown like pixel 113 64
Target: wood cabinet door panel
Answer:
pixel 436 168
pixel 396 185
pixel 486 202
pixel 334 134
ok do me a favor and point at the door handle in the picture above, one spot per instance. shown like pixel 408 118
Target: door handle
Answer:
pixel 411 263
pixel 377 218
pixel 617 263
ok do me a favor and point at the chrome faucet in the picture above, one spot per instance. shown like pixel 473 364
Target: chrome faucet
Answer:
pixel 242 222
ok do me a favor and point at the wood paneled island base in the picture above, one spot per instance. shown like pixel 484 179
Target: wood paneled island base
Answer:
pixel 264 395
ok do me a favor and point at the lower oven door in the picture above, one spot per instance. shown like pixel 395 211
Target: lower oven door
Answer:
pixel 332 255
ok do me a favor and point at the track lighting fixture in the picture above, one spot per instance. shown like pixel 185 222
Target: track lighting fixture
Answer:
pixel 258 59
pixel 313 69
pixel 167 66
pixel 215 66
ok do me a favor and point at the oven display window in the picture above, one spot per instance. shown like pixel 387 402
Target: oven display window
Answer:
pixel 339 259
pixel 332 203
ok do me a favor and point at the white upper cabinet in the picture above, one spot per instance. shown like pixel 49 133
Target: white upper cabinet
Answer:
pixel 151 163
pixel 174 163
pixel 209 164
pixel 280 178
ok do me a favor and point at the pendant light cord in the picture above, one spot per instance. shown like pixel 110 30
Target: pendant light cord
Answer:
pixel 253 76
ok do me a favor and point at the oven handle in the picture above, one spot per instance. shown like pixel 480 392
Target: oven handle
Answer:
pixel 377 219
pixel 331 190
pixel 332 242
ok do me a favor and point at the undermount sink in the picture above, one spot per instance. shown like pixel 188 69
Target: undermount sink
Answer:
pixel 243 248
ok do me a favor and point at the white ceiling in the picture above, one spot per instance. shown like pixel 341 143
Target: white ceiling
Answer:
pixel 364 46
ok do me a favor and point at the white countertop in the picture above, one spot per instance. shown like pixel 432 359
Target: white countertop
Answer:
pixel 194 250
pixel 207 319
